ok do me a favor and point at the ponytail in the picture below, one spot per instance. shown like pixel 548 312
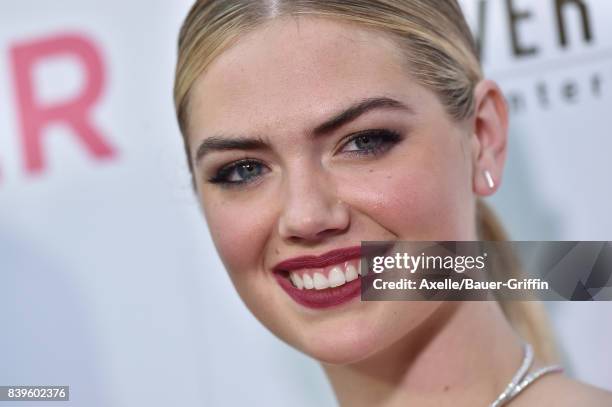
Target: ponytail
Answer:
pixel 528 318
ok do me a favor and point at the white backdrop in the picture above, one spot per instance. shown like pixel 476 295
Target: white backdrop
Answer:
pixel 109 282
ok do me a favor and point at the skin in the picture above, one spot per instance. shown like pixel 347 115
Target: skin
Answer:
pixel 278 83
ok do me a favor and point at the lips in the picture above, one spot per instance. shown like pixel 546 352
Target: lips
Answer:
pixel 321 281
pixel 327 259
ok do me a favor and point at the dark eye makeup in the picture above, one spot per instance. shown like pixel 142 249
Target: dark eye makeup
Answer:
pixel 238 172
pixel 367 143
pixel 370 142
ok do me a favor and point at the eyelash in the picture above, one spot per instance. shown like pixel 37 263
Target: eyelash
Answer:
pixel 222 175
pixel 387 139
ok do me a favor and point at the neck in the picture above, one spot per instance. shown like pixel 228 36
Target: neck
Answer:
pixel 464 355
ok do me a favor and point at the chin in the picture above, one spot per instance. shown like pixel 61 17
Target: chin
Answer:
pixel 343 348
pixel 342 342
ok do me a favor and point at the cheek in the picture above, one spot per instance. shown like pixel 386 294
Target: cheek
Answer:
pixel 424 199
pixel 238 235
pixel 425 208
pixel 240 239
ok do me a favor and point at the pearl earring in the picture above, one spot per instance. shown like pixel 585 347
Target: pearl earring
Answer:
pixel 489 178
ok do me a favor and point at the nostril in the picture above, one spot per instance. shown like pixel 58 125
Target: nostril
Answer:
pixel 329 232
pixel 315 237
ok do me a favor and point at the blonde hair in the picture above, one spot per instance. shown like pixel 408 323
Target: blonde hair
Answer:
pixel 528 318
pixel 440 52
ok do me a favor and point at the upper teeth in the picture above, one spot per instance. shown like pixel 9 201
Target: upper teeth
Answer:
pixel 337 276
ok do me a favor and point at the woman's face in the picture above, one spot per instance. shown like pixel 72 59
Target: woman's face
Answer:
pixel 306 183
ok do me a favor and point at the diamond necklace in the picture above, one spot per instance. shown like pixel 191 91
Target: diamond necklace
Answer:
pixel 521 379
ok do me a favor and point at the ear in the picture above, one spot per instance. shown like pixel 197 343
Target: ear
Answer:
pixel 490 138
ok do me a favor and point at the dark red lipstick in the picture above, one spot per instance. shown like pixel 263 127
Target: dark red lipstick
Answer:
pixel 327 259
pixel 322 298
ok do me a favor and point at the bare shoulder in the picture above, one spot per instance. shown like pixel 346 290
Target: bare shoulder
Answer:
pixel 561 391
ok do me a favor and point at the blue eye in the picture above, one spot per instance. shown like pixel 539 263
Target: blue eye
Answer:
pixel 240 172
pixel 365 143
pixel 371 142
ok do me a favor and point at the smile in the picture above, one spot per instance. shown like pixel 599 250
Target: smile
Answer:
pixel 322 281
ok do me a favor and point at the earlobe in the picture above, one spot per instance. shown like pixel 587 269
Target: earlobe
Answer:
pixel 489 178
pixel 485 182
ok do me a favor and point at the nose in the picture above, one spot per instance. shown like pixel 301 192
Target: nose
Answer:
pixel 312 210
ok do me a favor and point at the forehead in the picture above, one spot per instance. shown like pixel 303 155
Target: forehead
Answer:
pixel 293 72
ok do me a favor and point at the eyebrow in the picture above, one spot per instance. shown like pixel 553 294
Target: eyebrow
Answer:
pixel 356 110
pixel 224 143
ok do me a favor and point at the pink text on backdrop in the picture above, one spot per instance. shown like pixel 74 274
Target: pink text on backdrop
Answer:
pixel 75 112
